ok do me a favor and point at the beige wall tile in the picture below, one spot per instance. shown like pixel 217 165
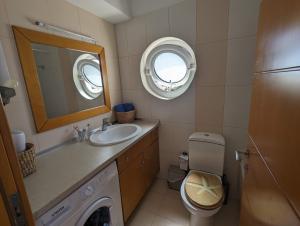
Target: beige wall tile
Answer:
pixel 243 18
pixel 108 38
pixel 62 13
pixel 166 158
pixel 94 121
pixel 183 21
pixel 19 117
pixel 180 110
pixel 130 72
pixel 136 36
pixel 210 106
pixel 141 102
pixel 211 63
pixel 121 35
pixel 174 136
pixel 51 138
pixel 157 25
pixel 4 27
pixel 115 97
pixel 124 71
pixel 212 20
pixel 236 139
pixel 206 127
pixel 166 136
pixel 240 62
pixel 237 106
pixel 22 13
pixel 113 73
pixel 89 24
pixel 180 137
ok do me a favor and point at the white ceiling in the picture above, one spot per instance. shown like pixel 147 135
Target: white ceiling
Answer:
pixel 116 11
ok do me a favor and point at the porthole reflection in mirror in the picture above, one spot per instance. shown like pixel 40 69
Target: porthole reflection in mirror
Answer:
pixel 167 68
pixel 87 76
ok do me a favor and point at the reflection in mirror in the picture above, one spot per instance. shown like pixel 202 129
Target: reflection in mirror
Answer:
pixel 70 80
pixel 86 71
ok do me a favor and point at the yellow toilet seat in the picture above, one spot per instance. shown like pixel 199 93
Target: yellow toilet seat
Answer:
pixel 204 190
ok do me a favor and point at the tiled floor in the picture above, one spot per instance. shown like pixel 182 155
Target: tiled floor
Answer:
pixel 162 207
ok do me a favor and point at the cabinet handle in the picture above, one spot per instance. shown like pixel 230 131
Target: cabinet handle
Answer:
pixel 127 158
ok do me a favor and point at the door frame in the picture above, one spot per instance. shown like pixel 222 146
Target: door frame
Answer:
pixel 13 192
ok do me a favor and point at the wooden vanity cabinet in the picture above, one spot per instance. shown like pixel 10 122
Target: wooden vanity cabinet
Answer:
pixel 137 168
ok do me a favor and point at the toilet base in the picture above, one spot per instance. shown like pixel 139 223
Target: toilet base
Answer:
pixel 196 220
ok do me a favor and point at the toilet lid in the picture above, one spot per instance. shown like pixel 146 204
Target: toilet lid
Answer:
pixel 204 190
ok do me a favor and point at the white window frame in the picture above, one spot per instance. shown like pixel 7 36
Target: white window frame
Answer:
pixel 149 76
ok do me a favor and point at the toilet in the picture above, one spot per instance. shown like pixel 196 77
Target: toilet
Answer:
pixel 202 191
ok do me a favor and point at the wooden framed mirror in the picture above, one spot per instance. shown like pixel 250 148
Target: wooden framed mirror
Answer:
pixel 66 79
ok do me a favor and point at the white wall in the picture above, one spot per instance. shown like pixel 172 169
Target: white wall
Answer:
pixel 63 14
pixel 226 32
pixel 177 116
pixel 243 18
pixel 222 33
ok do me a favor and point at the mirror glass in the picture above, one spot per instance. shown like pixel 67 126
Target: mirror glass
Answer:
pixel 70 80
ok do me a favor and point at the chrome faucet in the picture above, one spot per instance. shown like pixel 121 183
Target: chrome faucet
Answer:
pixel 105 123
pixel 81 134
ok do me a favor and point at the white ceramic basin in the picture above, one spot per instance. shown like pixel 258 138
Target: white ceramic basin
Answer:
pixel 115 134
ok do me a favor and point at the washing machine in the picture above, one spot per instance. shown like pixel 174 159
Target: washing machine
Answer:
pixel 97 202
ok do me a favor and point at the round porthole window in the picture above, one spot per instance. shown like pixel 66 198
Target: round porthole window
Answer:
pixel 168 67
pixel 87 76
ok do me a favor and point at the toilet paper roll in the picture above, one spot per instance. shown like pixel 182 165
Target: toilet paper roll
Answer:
pixel 19 140
pixel 183 161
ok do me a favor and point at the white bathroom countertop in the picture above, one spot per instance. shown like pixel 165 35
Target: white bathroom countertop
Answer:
pixel 65 168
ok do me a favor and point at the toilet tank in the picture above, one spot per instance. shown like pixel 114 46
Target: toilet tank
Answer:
pixel 206 152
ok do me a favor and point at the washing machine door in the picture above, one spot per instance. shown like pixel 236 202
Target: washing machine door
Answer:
pixel 98 214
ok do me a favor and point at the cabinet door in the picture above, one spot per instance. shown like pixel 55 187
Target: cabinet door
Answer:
pixel 278 45
pixel 11 180
pixel 151 166
pixel 132 185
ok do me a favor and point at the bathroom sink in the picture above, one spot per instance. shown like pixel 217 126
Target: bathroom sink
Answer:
pixel 115 134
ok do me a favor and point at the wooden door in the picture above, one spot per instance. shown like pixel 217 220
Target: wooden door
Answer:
pixel 271 190
pixel 5 218
pixel 14 206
